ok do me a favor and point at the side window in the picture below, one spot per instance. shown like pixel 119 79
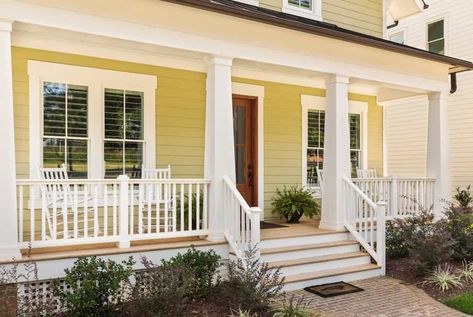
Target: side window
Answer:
pixel 302 4
pixel 397 37
pixel 65 135
pixel 436 37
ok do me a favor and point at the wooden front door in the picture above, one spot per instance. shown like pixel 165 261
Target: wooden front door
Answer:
pixel 245 135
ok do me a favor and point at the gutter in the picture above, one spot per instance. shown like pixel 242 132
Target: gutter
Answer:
pixel 289 21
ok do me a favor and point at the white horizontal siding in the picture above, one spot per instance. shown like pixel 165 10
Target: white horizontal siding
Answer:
pixel 406 125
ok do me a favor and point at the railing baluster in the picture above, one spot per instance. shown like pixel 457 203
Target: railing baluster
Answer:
pixel 32 214
pixel 197 199
pixel 174 208
pixel 166 207
pixel 20 213
pixel 75 217
pixel 140 208
pixel 54 233
pixel 115 203
pixel 96 211
pixel 105 210
pixel 85 212
pixel 189 203
pixel 182 206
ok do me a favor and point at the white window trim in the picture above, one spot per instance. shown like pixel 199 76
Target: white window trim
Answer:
pixel 252 2
pixel 96 80
pixel 400 31
pixel 315 13
pixel 258 92
pixel 445 32
pixel 319 103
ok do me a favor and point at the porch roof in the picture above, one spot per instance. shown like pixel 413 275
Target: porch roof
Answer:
pixel 293 22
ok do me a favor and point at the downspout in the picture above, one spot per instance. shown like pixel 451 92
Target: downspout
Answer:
pixel 453 83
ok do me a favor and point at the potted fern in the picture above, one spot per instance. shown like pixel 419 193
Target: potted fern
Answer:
pixel 294 202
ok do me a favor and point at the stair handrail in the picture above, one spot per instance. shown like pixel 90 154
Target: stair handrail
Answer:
pixel 242 222
pixel 366 221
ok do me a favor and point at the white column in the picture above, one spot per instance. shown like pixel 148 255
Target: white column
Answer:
pixel 219 144
pixel 336 152
pixel 8 225
pixel 438 150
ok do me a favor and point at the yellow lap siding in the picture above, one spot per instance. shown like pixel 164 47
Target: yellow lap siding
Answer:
pixel 180 109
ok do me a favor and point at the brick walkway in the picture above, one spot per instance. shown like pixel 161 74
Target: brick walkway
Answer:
pixel 381 297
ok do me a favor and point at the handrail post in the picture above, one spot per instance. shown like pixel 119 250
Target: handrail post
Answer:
pixel 123 236
pixel 381 235
pixel 394 197
pixel 255 229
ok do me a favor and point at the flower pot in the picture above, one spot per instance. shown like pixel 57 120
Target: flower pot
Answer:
pixel 294 218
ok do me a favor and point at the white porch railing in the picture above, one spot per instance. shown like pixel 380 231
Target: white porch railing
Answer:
pixel 403 196
pixel 365 221
pixel 66 212
pixel 242 222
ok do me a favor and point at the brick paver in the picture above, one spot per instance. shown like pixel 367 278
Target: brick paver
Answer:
pixel 382 297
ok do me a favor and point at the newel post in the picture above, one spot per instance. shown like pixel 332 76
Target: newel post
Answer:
pixel 381 235
pixel 255 229
pixel 123 233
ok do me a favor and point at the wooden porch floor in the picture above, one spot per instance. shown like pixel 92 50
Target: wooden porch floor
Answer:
pixel 55 253
pixel 304 228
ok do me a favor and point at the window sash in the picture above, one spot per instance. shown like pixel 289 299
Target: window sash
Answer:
pixel 436 42
pixel 301 4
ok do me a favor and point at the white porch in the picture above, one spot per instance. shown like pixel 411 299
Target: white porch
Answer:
pixel 121 211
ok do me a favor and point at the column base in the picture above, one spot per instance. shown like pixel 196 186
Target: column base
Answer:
pixel 123 244
pixel 10 252
pixel 335 226
pixel 216 236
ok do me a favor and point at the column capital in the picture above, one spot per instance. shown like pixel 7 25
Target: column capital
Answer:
pixel 438 95
pixel 6 25
pixel 218 60
pixel 337 79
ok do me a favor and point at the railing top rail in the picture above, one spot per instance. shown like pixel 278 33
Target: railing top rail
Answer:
pixel 237 194
pixel 109 181
pixel 360 193
pixel 395 177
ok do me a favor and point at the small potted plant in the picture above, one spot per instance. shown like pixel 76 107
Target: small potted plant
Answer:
pixel 294 202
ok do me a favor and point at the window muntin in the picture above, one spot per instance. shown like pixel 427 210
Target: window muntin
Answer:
pixel 315 143
pixel 65 128
pixel 436 37
pixel 124 133
pixel 397 37
pixel 301 4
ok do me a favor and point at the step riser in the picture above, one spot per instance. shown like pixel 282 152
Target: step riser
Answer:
pixel 286 242
pixel 310 253
pixel 333 279
pixel 327 265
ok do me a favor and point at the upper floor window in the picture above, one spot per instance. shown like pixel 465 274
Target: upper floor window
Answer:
pixel 436 37
pixel 397 37
pixel 311 9
pixel 303 4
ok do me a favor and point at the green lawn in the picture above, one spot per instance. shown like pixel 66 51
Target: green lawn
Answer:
pixel 463 303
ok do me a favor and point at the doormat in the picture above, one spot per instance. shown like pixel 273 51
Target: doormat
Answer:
pixel 333 289
pixel 270 225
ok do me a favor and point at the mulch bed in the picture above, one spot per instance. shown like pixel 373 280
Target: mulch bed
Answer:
pixel 403 270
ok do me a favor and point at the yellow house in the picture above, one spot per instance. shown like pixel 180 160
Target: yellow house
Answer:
pixel 148 126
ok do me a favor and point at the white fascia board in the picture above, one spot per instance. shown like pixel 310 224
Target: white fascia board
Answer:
pixel 91 24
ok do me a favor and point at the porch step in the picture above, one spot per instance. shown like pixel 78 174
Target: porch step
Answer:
pixel 318 259
pixel 346 274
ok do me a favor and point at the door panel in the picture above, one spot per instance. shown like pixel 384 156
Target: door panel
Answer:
pixel 245 133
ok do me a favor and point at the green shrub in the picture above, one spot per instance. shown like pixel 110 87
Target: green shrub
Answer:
pixel 444 278
pixel 202 267
pixel 463 198
pixel 293 203
pixel 252 286
pixel 159 291
pixel 396 245
pixel 96 287
pixel 459 221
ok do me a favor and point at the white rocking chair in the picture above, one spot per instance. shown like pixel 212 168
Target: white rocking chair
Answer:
pixel 366 173
pixel 159 196
pixel 320 178
pixel 59 196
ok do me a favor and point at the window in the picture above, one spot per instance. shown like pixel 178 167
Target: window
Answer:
pixel 123 146
pixel 397 37
pixel 436 37
pixel 315 143
pixel 65 133
pixel 302 4
pixel 99 123
pixel 311 9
